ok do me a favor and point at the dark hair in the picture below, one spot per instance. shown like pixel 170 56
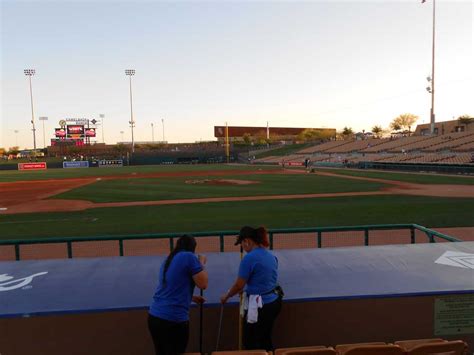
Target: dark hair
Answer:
pixel 184 243
pixel 258 235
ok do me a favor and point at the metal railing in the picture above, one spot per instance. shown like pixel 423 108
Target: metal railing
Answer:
pixel 317 235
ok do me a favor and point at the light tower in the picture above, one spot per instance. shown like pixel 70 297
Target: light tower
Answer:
pixel 130 73
pixel 29 73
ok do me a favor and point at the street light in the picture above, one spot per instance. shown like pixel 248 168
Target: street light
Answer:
pixel 44 134
pixel 130 73
pixel 29 73
pixel 102 116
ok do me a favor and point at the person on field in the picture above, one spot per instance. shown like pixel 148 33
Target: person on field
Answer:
pixel 168 316
pixel 262 299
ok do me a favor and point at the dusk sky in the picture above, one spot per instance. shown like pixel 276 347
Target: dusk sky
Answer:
pixel 199 64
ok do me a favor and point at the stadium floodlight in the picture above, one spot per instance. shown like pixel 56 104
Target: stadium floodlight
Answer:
pixel 44 134
pixel 130 73
pixel 29 73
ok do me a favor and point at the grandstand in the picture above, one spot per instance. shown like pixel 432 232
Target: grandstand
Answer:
pixel 453 148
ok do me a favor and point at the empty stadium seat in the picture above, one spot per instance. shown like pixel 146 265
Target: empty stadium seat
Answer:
pixel 375 350
pixel 284 350
pixel 342 348
pixel 410 344
pixel 309 351
pixel 241 352
pixel 457 347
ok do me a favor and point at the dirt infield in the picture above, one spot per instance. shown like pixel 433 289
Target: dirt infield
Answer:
pixel 30 196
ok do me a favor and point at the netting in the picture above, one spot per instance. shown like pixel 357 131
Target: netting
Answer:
pixel 215 243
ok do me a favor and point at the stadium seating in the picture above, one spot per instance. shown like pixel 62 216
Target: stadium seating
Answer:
pixel 433 346
pixel 354 146
pixel 241 352
pixel 410 344
pixel 452 142
pixel 343 348
pixel 323 147
pixel 457 347
pixel 465 147
pixel 373 350
pixel 310 351
pixel 285 350
pixel 396 143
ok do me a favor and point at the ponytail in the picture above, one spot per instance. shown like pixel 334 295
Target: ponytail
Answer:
pixel 184 243
pixel 262 237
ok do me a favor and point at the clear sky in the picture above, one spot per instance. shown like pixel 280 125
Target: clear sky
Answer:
pixel 199 64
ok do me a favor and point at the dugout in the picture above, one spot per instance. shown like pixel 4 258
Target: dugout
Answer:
pixel 333 296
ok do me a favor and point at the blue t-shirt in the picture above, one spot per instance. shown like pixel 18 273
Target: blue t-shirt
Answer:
pixel 260 269
pixel 173 298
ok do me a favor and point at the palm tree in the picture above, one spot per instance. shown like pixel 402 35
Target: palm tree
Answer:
pixel 347 132
pixel 377 130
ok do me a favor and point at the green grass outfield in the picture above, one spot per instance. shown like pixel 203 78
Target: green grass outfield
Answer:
pixel 151 189
pixel 337 211
pixel 9 175
pixel 419 178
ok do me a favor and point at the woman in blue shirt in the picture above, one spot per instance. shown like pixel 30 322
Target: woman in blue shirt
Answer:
pixel 258 273
pixel 168 316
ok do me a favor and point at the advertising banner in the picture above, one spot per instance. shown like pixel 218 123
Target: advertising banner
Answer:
pixel 75 164
pixel 75 129
pixel 110 163
pixel 60 132
pixel 32 166
pixel 90 132
pixel 291 163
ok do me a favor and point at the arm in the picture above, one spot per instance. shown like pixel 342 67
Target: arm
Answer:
pixel 236 288
pixel 201 279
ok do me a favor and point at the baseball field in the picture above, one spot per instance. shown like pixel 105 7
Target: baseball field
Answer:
pixel 193 198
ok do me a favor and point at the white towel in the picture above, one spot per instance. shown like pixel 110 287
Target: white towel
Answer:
pixel 251 304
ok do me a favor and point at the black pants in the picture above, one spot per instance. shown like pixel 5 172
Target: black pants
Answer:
pixel 169 338
pixel 259 335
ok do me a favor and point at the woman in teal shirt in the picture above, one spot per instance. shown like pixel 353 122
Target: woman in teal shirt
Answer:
pixel 258 274
pixel 168 316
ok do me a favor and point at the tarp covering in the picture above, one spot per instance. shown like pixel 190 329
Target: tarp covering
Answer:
pixel 124 283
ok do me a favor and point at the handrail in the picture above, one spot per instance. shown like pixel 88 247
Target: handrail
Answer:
pixel 319 231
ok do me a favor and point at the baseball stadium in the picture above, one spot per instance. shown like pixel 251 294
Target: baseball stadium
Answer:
pixel 303 236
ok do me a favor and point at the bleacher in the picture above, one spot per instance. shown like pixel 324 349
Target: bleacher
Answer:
pixel 433 346
pixel 452 148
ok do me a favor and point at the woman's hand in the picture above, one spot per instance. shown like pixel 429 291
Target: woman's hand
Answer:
pixel 224 298
pixel 199 299
pixel 202 259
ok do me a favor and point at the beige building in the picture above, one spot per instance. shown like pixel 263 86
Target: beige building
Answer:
pixel 444 127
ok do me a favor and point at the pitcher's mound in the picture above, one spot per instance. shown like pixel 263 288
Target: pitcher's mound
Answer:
pixel 221 182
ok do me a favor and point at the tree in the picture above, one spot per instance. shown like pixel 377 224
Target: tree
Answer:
pixel 247 138
pixel 466 120
pixel 13 150
pixel 377 130
pixel 395 126
pixel 405 120
pixel 3 151
pixel 347 132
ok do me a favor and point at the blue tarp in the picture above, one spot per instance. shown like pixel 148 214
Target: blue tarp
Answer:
pixel 124 283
